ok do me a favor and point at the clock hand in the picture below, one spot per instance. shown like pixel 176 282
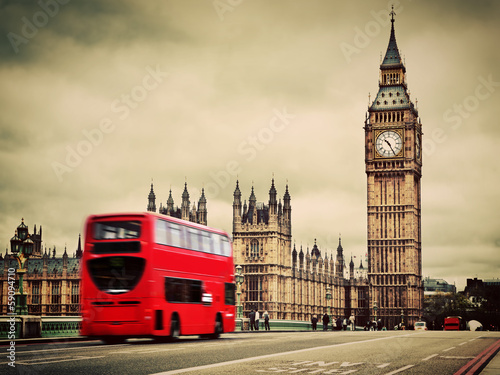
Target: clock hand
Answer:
pixel 386 141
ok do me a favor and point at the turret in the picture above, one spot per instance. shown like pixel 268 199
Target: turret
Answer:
pixel 185 203
pixel 273 203
pixel 236 206
pixel 202 208
pixel 151 200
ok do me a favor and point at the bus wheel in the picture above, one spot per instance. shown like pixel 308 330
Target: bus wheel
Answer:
pixel 174 327
pixel 218 328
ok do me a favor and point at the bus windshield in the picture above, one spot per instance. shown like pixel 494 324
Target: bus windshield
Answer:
pixel 116 275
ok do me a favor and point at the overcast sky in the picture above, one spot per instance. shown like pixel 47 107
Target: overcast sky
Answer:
pixel 98 98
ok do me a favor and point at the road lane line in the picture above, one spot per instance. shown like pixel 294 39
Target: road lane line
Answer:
pixel 75 348
pixel 399 370
pixel 61 360
pixel 267 356
pixel 446 350
pixel 462 343
pixel 429 357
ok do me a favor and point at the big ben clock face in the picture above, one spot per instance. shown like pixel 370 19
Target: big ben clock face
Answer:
pixel 389 144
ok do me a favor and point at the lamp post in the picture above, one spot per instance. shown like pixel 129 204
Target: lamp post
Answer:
pixel 21 246
pixel 328 298
pixel 239 280
pixel 375 310
pixel 402 318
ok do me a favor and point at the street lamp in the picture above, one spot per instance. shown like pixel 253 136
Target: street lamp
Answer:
pixel 239 280
pixel 402 318
pixel 328 298
pixel 21 246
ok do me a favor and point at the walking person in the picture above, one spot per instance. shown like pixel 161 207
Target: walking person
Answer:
pixel 344 324
pixel 339 323
pixel 257 320
pixel 352 320
pixel 266 321
pixel 326 320
pixel 314 322
pixel 252 320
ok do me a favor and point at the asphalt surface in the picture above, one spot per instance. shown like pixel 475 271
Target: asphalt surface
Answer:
pixel 384 353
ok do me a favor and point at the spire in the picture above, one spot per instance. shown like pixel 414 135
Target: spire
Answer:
pixel 151 199
pixel 79 251
pixel 170 203
pixel 392 56
pixel 185 204
pixel 252 200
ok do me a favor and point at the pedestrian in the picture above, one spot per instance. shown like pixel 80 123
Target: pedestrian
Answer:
pixel 326 321
pixel 334 324
pixel 379 325
pixel 266 321
pixel 314 322
pixel 344 324
pixel 352 320
pixel 252 320
pixel 339 323
pixel 257 320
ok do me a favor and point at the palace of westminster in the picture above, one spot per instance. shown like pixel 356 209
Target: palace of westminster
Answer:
pixel 291 283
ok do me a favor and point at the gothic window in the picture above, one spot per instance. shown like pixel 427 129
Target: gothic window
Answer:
pixel 254 251
pixel 56 293
pixel 35 293
pixel 75 292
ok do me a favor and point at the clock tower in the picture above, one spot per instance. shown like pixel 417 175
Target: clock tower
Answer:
pixel 393 160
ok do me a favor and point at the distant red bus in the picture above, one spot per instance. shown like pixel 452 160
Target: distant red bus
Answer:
pixel 453 323
pixel 145 274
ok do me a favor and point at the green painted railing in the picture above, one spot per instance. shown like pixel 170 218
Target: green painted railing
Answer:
pixel 16 327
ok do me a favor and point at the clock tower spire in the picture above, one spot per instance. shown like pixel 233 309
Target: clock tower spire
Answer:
pixel 393 161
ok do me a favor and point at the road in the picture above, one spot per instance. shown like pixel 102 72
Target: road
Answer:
pixel 384 353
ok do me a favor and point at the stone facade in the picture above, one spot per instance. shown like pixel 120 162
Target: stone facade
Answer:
pixel 290 284
pixel 393 139
pixel 52 285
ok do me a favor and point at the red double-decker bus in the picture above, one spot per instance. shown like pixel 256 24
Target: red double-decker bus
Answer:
pixel 145 274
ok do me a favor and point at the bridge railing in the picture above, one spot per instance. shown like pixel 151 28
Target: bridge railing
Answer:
pixel 31 326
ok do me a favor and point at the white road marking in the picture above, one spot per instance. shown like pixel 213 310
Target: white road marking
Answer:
pixel 57 361
pixel 446 350
pixel 267 356
pixel 462 343
pixel 455 357
pixel 400 370
pixel 429 357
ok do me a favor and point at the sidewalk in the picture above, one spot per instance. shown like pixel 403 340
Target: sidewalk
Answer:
pixel 493 367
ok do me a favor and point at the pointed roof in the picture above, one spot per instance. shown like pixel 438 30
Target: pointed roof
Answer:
pixel 185 194
pixel 151 193
pixel 392 56
pixel 170 200
pixel 252 198
pixel 237 192
pixel 203 199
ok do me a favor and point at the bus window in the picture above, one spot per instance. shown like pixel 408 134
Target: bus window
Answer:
pixel 206 242
pixel 116 275
pixel 216 238
pixel 175 235
pixel 194 239
pixel 230 293
pixel 182 290
pixel 116 230
pixel 161 232
pixel 226 247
